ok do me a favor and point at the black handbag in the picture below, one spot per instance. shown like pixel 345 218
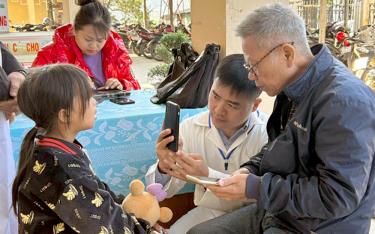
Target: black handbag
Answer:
pixel 190 77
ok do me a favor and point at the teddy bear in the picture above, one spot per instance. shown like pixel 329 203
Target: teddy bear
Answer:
pixel 145 205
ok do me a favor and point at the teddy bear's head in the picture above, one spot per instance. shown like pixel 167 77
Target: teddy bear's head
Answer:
pixel 144 204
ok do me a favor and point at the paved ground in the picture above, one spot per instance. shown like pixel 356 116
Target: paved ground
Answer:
pixel 141 66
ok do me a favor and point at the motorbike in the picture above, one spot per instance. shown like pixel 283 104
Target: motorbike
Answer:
pixel 333 33
pixel 359 55
pixel 150 49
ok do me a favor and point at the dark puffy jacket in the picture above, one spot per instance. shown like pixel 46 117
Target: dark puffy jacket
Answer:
pixel 64 49
pixel 318 173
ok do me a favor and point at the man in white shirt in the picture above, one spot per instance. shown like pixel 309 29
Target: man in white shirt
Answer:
pixel 214 143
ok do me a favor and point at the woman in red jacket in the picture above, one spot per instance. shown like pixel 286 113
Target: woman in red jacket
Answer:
pixel 91 45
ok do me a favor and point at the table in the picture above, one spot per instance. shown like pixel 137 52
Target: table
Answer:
pixel 122 143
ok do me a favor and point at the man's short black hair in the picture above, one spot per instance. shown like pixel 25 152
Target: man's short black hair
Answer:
pixel 232 73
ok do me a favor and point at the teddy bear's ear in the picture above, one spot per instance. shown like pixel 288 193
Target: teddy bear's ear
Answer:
pixel 165 214
pixel 136 187
pixel 156 189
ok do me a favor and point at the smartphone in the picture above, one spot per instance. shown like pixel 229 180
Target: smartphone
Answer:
pixel 122 100
pixel 202 180
pixel 172 121
pixel 110 93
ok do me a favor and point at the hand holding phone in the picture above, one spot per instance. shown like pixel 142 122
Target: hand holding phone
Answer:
pixel 202 180
pixel 172 121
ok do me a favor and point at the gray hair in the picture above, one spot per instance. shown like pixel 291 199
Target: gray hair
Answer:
pixel 274 24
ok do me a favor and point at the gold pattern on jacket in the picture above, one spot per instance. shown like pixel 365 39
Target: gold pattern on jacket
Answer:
pixel 103 230
pixel 71 194
pixel 76 230
pixel 60 227
pixel 98 200
pixel 127 231
pixel 50 205
pixel 39 168
pixel 28 218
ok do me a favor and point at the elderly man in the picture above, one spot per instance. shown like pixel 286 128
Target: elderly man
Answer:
pixel 316 174
pixel 12 75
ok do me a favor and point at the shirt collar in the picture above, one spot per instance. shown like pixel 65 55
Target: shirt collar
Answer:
pixel 229 141
pixel 311 76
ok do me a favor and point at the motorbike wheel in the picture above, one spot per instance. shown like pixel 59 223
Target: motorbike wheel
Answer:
pixel 132 45
pixel 155 55
pixel 368 77
pixel 142 47
pixel 137 50
pixel 147 52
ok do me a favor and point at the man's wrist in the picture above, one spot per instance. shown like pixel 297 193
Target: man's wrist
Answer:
pixel 252 186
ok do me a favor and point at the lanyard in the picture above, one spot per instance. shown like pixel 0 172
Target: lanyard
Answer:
pixel 226 157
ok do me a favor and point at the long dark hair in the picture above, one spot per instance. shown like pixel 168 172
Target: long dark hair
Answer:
pixel 45 92
pixel 92 12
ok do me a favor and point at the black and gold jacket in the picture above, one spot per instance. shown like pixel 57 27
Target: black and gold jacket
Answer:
pixel 61 194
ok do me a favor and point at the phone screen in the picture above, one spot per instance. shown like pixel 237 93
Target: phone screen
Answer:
pixel 110 93
pixel 203 180
pixel 172 121
pixel 122 100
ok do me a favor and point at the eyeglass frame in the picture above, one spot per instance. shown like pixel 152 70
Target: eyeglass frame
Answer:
pixel 250 68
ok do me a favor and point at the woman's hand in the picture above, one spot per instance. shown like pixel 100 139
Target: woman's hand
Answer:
pixel 112 83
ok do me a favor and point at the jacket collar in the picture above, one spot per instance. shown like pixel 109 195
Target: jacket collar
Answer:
pixel 321 62
pixel 67 147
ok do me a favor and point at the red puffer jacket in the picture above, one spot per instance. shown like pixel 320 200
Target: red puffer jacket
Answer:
pixel 64 49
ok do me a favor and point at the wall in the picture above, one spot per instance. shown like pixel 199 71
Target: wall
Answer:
pixel 18 14
pixel 208 23
pixel 70 10
pixel 29 11
pixel 216 21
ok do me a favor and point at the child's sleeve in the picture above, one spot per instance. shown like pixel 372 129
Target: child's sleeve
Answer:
pixel 118 198
pixel 85 204
pixel 88 209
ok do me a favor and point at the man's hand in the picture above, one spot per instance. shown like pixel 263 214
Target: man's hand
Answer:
pixel 10 116
pixel 241 171
pixel 191 164
pixel 112 83
pixel 232 188
pixel 166 157
pixel 10 109
pixel 9 106
pixel 16 79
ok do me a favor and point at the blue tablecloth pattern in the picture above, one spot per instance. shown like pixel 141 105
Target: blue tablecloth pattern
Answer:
pixel 122 143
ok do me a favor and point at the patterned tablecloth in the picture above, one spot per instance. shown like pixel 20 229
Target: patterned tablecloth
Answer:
pixel 122 143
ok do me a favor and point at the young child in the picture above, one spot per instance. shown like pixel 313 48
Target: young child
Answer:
pixel 55 190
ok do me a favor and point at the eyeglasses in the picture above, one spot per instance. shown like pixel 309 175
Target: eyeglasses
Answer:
pixel 252 69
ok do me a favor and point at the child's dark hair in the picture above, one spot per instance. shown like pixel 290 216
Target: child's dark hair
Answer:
pixel 232 73
pixel 92 12
pixel 45 92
